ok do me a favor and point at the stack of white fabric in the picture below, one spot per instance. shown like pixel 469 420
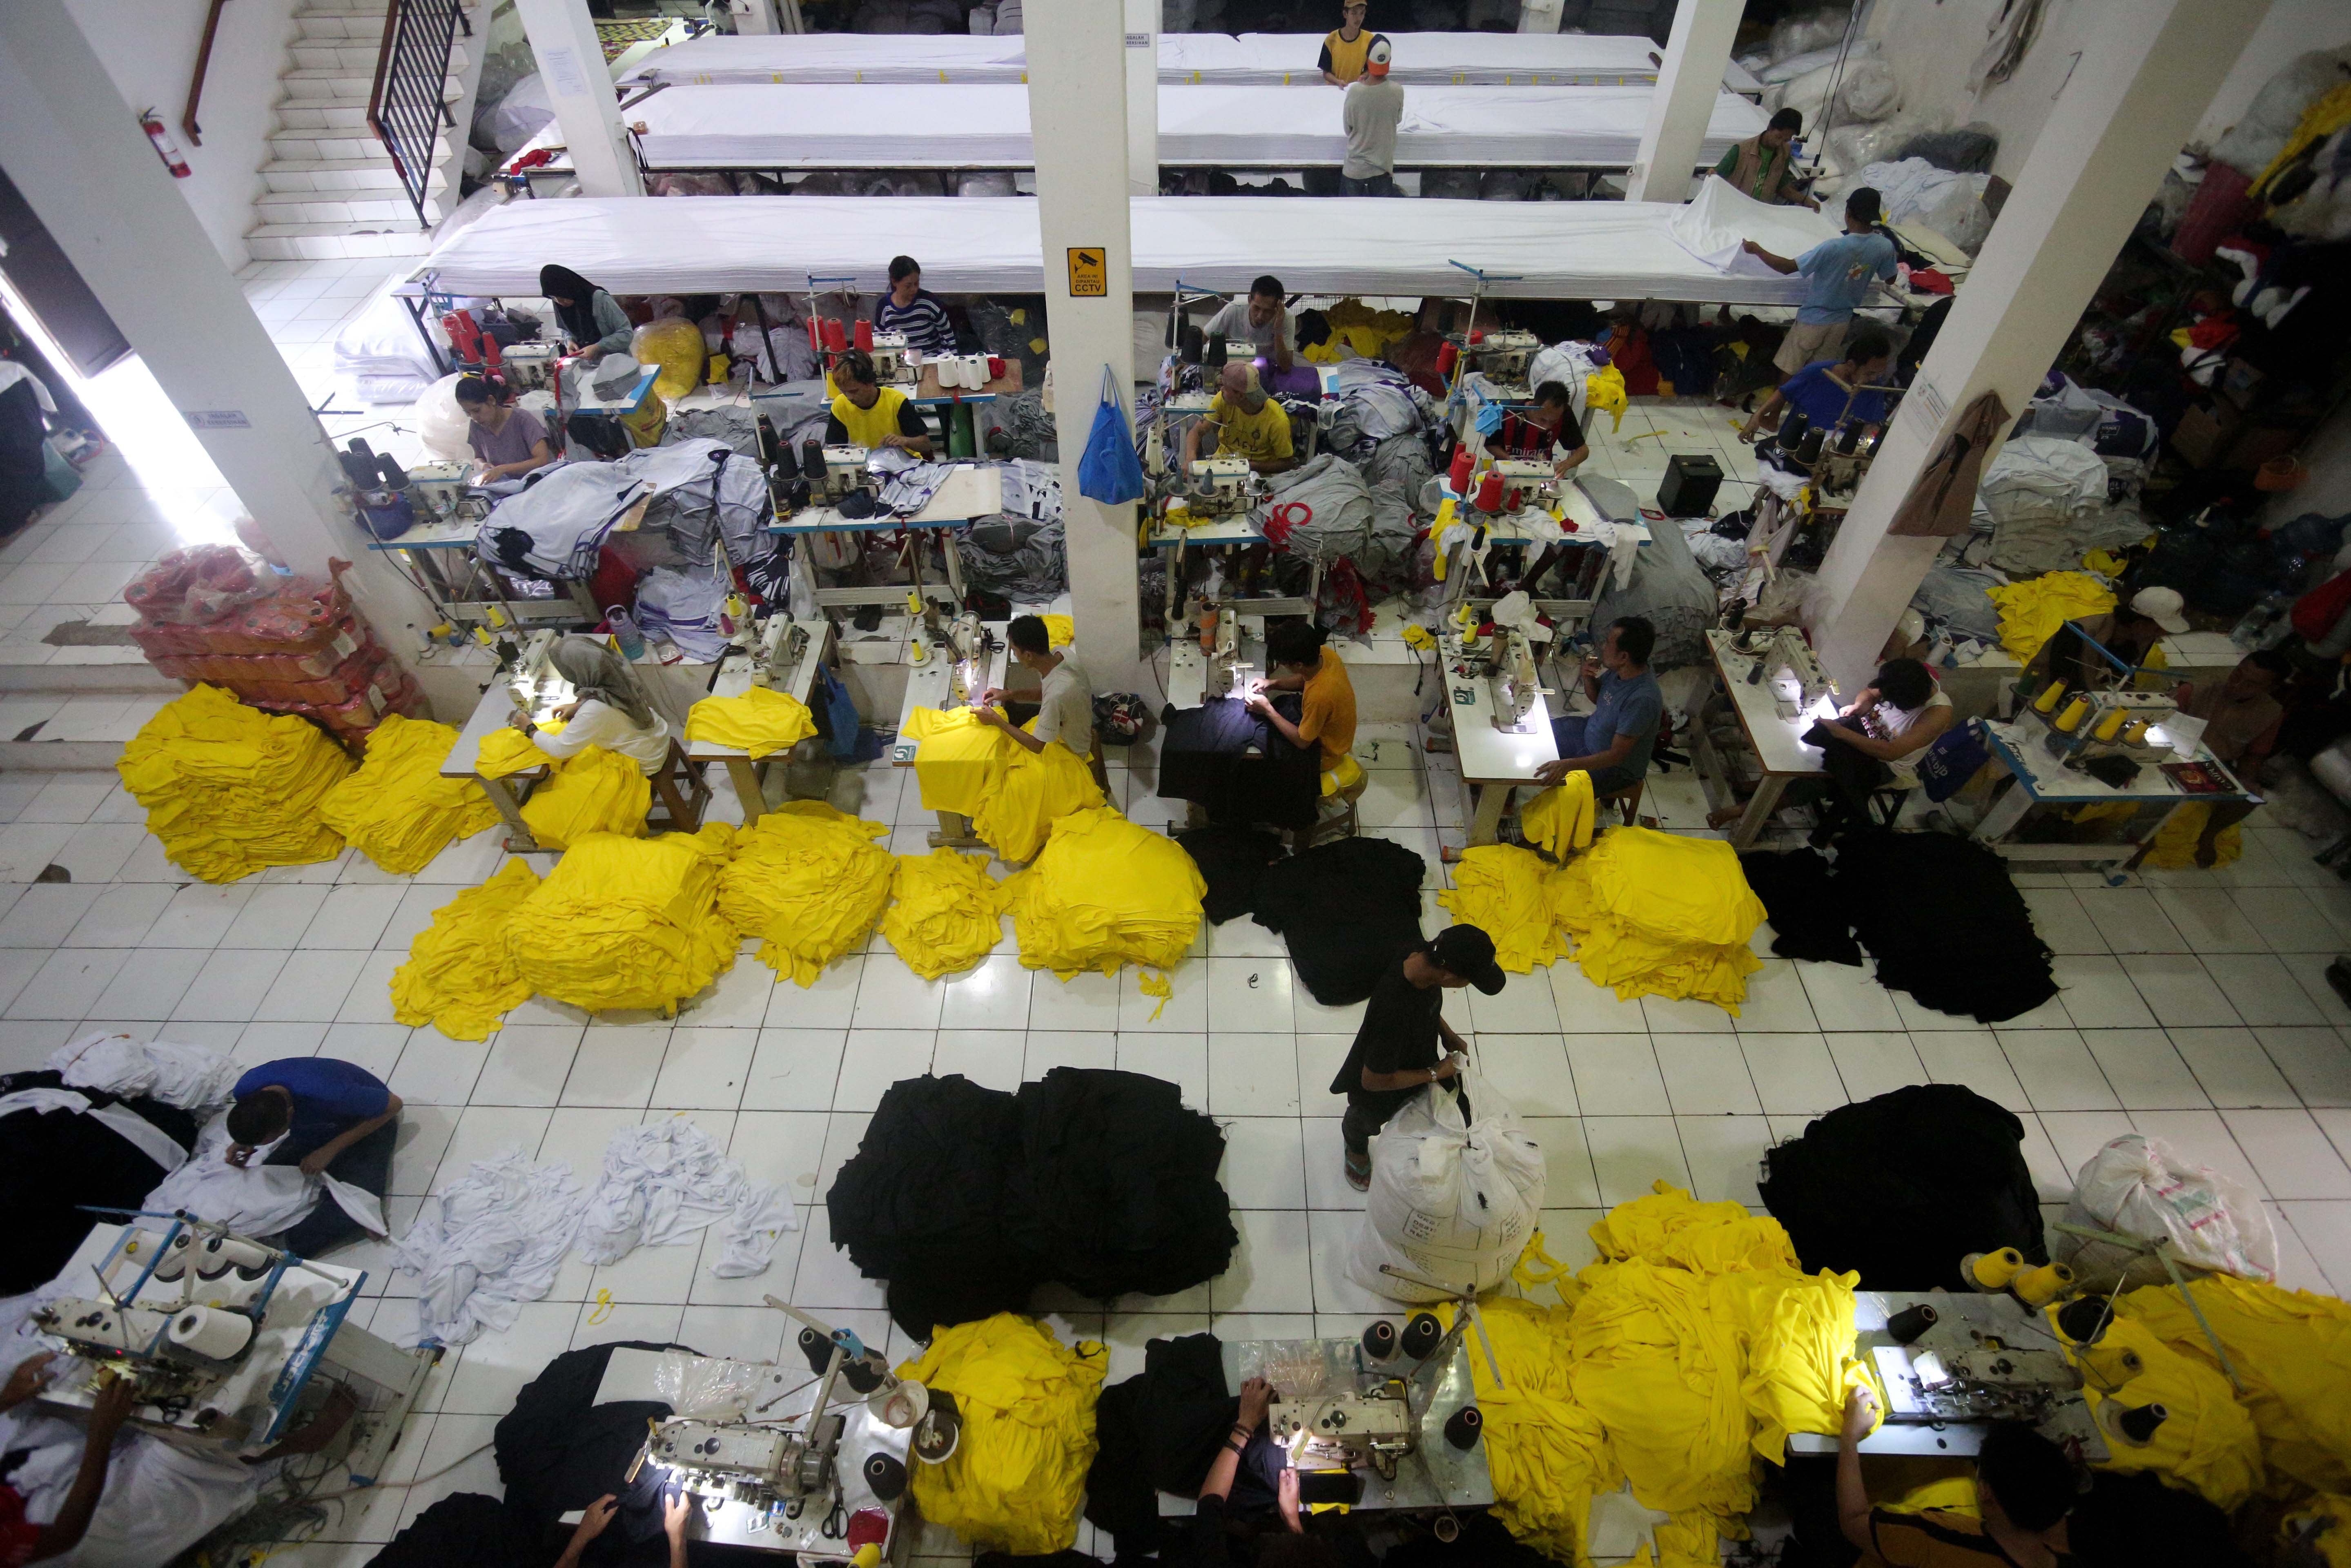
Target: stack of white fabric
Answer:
pixel 488 1242
pixel 188 1077
pixel 666 1182
pixel 255 1198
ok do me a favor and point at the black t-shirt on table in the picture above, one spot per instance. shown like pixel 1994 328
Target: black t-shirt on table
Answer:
pixel 1399 1034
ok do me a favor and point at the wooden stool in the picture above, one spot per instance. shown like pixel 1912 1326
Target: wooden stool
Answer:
pixel 1628 798
pixel 680 793
pixel 1346 822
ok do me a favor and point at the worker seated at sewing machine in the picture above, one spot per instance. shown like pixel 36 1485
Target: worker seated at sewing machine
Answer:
pixel 2098 651
pixel 1889 725
pixel 1218 1538
pixel 1612 742
pixel 1297 662
pixel 1258 328
pixel 2025 1486
pixel 606 709
pixel 1065 708
pixel 1558 435
pixel 21 1541
pixel 867 414
pixel 329 1117
pixel 678 1509
pixel 1828 393
pixel 508 442
pixel 1243 422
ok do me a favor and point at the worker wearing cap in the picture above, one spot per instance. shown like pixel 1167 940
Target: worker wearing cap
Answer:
pixel 1347 47
pixel 1372 107
pixel 1395 1055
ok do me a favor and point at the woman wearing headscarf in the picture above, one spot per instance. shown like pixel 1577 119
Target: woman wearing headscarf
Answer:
pixel 607 709
pixel 588 316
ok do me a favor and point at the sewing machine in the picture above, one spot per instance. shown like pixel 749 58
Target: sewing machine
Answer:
pixel 1513 679
pixel 1502 357
pixel 532 684
pixel 1220 486
pixel 1537 484
pixel 444 491
pixel 1799 685
pixel 227 1341
pixel 893 362
pixel 1227 675
pixel 844 471
pixel 529 366
pixel 2089 723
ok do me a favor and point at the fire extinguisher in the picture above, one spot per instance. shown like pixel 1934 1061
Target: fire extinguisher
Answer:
pixel 166 148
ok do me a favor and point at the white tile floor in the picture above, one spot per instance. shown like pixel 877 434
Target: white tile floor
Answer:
pixel 2194 1008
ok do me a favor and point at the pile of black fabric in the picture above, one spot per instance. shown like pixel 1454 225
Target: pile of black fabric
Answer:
pixel 58 1161
pixel 558 1450
pixel 1348 909
pixel 1231 861
pixel 1157 1431
pixel 964 1199
pixel 1238 765
pixel 463 1529
pixel 1902 1187
pixel 1944 923
pixel 1806 904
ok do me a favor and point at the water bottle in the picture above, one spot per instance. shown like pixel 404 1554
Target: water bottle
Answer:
pixel 624 631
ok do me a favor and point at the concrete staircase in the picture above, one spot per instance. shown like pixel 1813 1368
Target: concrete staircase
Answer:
pixel 332 191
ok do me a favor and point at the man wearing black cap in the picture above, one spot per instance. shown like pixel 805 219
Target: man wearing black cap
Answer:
pixel 1395 1051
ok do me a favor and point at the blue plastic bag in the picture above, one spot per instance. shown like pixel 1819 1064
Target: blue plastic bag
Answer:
pixel 1110 472
pixel 1954 757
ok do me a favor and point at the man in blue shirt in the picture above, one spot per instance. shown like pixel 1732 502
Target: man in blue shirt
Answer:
pixel 1827 392
pixel 1612 742
pixel 333 1118
pixel 1837 275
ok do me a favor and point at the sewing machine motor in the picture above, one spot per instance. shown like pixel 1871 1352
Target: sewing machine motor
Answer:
pixel 1220 486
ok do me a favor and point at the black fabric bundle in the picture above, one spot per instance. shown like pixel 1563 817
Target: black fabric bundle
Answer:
pixel 1231 860
pixel 59 1161
pixel 558 1449
pixel 964 1199
pixel 1806 904
pixel 1238 766
pixel 1349 910
pixel 1902 1187
pixel 2126 1521
pixel 1158 1431
pixel 1944 923
pixel 463 1529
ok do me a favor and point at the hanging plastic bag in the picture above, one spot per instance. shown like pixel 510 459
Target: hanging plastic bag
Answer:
pixel 1110 472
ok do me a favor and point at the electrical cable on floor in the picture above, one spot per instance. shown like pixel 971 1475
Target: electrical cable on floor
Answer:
pixel 415 1481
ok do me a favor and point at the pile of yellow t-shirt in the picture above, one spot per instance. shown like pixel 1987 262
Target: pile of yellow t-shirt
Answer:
pixel 1104 893
pixel 460 976
pixel 1547 1454
pixel 231 790
pixel 809 881
pixel 2207 1443
pixel 1017 1481
pixel 761 721
pixel 1655 913
pixel 2031 610
pixel 947 912
pixel 1559 820
pixel 626 922
pixel 1012 795
pixel 1508 892
pixel 397 809
pixel 598 791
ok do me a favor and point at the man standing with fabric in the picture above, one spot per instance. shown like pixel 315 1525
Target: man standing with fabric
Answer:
pixel 1346 46
pixel 1372 107
pixel 1837 275
pixel 335 1119
pixel 1760 167
pixel 1395 1055
pixel 1612 742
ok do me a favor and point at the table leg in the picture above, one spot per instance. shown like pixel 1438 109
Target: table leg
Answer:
pixel 954 831
pixel 1486 826
pixel 2005 813
pixel 519 839
pixel 962 439
pixel 1760 807
pixel 744 774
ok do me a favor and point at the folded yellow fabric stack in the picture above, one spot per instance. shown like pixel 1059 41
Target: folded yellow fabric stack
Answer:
pixel 460 976
pixel 1657 914
pixel 231 790
pixel 598 791
pixel 2031 610
pixel 1547 1454
pixel 1559 821
pixel 761 721
pixel 626 922
pixel 1017 1481
pixel 947 912
pixel 509 750
pixel 2207 1444
pixel 397 809
pixel 809 881
pixel 1104 893
pixel 1012 795
pixel 1507 893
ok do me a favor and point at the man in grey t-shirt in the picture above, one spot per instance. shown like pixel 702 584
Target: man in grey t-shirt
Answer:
pixel 1372 107
pixel 1065 710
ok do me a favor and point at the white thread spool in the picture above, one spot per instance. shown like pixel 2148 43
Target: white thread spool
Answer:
pixel 175 1260
pixel 212 1333
pixel 219 1254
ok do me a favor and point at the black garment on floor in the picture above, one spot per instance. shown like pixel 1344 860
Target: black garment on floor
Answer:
pixel 1231 860
pixel 1349 910
pixel 463 1529
pixel 1238 765
pixel 922 1203
pixel 23 434
pixel 2130 1520
pixel 1158 1431
pixel 60 1160
pixel 558 1449
pixel 1482 1543
pixel 1904 1186
pixel 1116 1191
pixel 1806 905
pixel 1944 923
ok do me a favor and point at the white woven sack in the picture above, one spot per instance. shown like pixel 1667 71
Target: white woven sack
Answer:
pixel 1449 1201
pixel 2138 1186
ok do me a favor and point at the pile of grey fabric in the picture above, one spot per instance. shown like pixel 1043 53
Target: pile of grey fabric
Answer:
pixel 1320 512
pixel 554 527
pixel 1376 402
pixel 737 427
pixel 1956 600
pixel 684 607
pixel 1021 552
pixel 1019 426
pixel 2044 500
pixel 705 489
pixel 1671 590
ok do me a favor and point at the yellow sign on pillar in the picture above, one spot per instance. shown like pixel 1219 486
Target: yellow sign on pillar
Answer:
pixel 1089 273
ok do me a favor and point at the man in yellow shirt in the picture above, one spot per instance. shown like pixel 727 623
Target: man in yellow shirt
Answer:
pixel 871 415
pixel 1245 422
pixel 1344 50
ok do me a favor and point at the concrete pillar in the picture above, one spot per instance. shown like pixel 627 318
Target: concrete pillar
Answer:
pixel 1696 53
pixel 73 146
pixel 1541 15
pixel 2136 96
pixel 1077 113
pixel 1142 96
pixel 572 62
pixel 752 17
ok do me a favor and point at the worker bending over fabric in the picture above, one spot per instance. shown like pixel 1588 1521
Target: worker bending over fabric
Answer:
pixel 1326 717
pixel 1837 274
pixel 1612 742
pixel 911 308
pixel 607 709
pixel 590 318
pixel 1395 1055
pixel 1347 47
pixel 508 442
pixel 1760 166
pixel 1242 421
pixel 1370 112
pixel 1907 708
pixel 2025 1487
pixel 1214 1544
pixel 867 414
pixel 1827 391
pixel 330 1118
pixel 677 1507
pixel 21 1541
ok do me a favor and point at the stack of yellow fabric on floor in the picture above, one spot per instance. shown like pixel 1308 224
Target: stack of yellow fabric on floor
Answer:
pixel 1012 795
pixel 509 750
pixel 1559 820
pixel 231 790
pixel 947 912
pixel 1018 1479
pixel 1508 893
pixel 626 922
pixel 1657 914
pixel 2031 610
pixel 809 881
pixel 1104 893
pixel 397 809
pixel 598 791
pixel 2207 1443
pixel 1547 1454
pixel 761 721
pixel 460 976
